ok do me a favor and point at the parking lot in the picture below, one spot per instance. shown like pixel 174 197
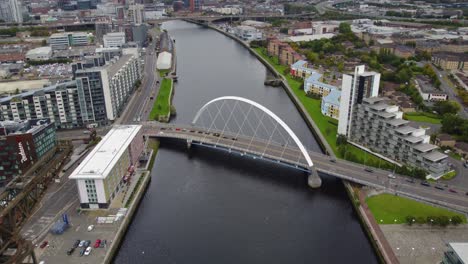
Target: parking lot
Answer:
pixel 56 250
pixel 55 70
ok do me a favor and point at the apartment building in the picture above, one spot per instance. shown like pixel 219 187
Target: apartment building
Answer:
pixel 288 56
pixel 314 85
pixel 330 105
pixel 10 11
pixel 67 39
pixel 102 174
pixel 136 13
pixel 300 69
pixel 355 88
pixel 105 89
pixel 450 61
pixel 60 103
pixel 114 39
pixel 380 127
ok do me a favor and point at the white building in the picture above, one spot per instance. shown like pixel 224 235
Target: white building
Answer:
pixel 248 33
pixel 67 39
pixel 164 61
pixel 103 173
pixel 114 39
pixel 136 13
pixel 39 54
pixel 10 11
pixel 354 89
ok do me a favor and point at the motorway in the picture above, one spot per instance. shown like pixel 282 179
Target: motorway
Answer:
pixel 260 149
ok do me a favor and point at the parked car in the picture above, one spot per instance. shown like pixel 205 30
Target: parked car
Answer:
pixel 465 164
pixel 82 251
pixel 90 228
pixel 410 180
pixel 97 243
pixel 88 251
pixel 70 251
pixel 44 244
pixel 87 243
pixel 103 244
pixel 77 243
pixel 82 242
pixel 425 183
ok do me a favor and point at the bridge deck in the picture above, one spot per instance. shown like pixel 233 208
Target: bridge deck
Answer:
pixel 291 156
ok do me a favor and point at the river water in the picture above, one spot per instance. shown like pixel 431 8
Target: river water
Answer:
pixel 205 206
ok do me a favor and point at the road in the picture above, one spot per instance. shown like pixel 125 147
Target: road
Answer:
pixel 452 93
pixel 256 149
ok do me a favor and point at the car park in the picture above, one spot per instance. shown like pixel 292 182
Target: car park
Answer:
pixel 88 251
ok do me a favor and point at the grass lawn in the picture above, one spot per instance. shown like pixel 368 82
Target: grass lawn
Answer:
pixel 162 73
pixel 422 117
pixel 388 207
pixel 162 105
pixel 449 175
pixel 326 125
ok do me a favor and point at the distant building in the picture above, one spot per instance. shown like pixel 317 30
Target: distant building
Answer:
pixel 164 61
pixel 108 53
pixel 39 54
pixel 140 34
pixel 445 140
pixel 114 39
pixel 195 5
pixel 67 39
pixel 354 89
pixel 136 13
pixel 451 61
pixel 404 51
pixel 103 173
pixel 248 33
pixel 288 56
pixel 456 254
pixel 10 11
pixel 330 105
pixel 22 144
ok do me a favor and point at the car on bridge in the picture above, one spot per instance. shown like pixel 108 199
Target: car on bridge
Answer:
pixel 425 183
pixel 368 169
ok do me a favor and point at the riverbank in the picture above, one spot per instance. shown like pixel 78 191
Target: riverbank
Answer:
pixel 384 253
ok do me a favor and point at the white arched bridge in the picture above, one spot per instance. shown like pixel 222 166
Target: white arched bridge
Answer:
pixel 243 127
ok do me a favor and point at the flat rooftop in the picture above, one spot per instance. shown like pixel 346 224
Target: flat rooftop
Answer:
pixel 397 122
pixel 435 156
pixel 405 130
pixel 461 249
pixel 101 160
pixel 425 147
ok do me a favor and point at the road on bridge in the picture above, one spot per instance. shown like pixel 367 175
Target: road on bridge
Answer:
pixel 261 149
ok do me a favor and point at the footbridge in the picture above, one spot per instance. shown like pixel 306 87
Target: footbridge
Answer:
pixel 243 127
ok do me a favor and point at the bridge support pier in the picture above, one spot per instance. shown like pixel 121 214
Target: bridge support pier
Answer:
pixel 314 180
pixel 189 143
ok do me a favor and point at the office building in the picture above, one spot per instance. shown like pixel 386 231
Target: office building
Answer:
pixel 108 53
pixel 114 40
pixel 67 39
pixel 380 127
pixel 60 103
pixel 22 144
pixel 101 175
pixel 10 11
pixel 248 33
pixel 136 13
pixel 354 89
pixel 105 89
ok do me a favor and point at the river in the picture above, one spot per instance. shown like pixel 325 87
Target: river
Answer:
pixel 205 206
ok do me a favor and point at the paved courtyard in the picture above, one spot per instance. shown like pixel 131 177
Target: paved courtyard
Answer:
pixel 422 244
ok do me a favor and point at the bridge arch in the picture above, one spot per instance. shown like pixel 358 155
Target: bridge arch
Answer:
pixel 266 111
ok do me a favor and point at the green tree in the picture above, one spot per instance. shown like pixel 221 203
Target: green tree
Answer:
pixel 341 140
pixel 344 28
pixel 410 219
pixel 446 107
pixel 443 221
pixel 456 220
